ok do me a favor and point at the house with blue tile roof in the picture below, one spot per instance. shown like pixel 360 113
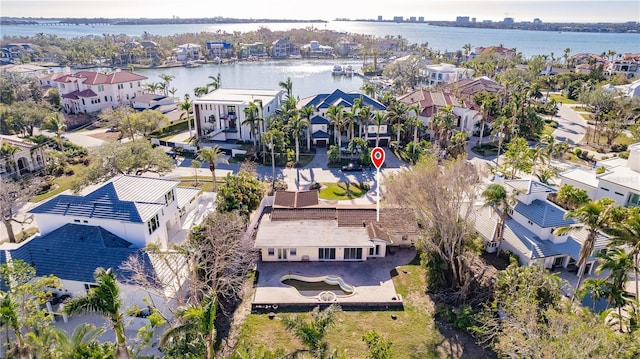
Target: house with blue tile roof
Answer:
pixel 141 210
pixel 530 229
pixel 321 104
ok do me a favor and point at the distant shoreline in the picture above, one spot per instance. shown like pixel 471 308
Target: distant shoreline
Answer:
pixel 145 21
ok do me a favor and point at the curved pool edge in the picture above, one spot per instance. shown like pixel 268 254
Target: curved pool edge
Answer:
pixel 328 279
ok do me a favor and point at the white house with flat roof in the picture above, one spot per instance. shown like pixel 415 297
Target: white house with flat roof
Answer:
pixel 436 74
pixel 620 180
pixel 219 115
pixel 140 210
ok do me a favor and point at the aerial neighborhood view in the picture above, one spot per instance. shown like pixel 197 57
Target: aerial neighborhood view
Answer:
pixel 415 179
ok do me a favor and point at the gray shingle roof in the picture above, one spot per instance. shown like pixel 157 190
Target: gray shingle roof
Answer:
pixel 543 213
pixel 74 251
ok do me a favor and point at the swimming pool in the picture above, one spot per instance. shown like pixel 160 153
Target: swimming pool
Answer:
pixel 326 288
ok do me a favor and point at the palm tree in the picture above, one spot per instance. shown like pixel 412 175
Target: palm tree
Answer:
pixel 9 317
pixel 199 321
pixel 379 119
pixel 369 89
pixel 57 126
pixel 311 333
pixel 212 155
pixel 619 263
pixel 152 87
pixel 167 82
pixel 306 113
pixel 215 83
pixel 252 118
pixel 458 144
pixel 287 86
pixel 104 300
pixel 200 91
pixel 296 125
pixel 497 197
pixel 398 115
pixel 442 123
pixel 83 334
pixel 338 120
pixel 364 116
pixel 186 106
pixel 627 233
pixel 594 217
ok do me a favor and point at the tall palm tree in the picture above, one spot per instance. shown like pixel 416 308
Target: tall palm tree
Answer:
pixel 56 125
pixel 252 118
pixel 105 300
pixel 379 119
pixel 594 217
pixel 186 107
pixel 442 123
pixel 627 233
pixel 212 155
pixel 287 86
pixel 166 79
pixel 497 197
pixel 199 321
pixel 364 116
pixel 338 120
pixel 398 115
pixel 619 263
pixel 151 87
pixel 297 125
pixel 83 334
pixel 201 91
pixel 306 113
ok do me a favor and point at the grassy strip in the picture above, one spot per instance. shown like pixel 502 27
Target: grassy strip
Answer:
pixel 340 191
pixel 563 99
pixel 63 183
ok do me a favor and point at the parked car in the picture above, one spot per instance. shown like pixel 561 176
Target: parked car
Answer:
pixel 352 167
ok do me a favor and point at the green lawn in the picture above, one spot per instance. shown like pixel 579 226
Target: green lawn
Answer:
pixel 63 183
pixel 341 191
pixel 413 333
pixel 205 183
pixel 562 99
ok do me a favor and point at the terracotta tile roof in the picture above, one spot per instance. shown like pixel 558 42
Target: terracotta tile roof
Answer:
pixel 471 87
pixel 77 94
pixel 294 214
pixel 97 78
pixel 296 199
pixel 429 101
pixel 375 232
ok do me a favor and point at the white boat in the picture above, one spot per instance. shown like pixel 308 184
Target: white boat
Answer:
pixel 337 70
pixel 348 71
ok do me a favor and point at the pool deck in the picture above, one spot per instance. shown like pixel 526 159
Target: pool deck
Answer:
pixel 371 279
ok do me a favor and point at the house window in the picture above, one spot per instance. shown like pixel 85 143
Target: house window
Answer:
pixel 130 85
pixel 168 198
pixel 100 88
pixel 604 189
pixel 634 199
pixel 153 224
pixel 76 220
pixel 326 253
pixel 271 252
pixel 293 252
pixel 353 253
pixel 89 286
pixel 619 194
pixel 138 83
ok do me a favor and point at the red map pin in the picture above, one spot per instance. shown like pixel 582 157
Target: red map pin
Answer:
pixel 377 157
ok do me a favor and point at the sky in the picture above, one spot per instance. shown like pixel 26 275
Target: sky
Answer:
pixel 520 10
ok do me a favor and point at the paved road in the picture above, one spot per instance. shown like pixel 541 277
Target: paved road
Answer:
pixel 571 126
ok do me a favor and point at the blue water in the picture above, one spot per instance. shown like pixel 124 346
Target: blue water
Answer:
pixel 438 38
pixel 309 77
